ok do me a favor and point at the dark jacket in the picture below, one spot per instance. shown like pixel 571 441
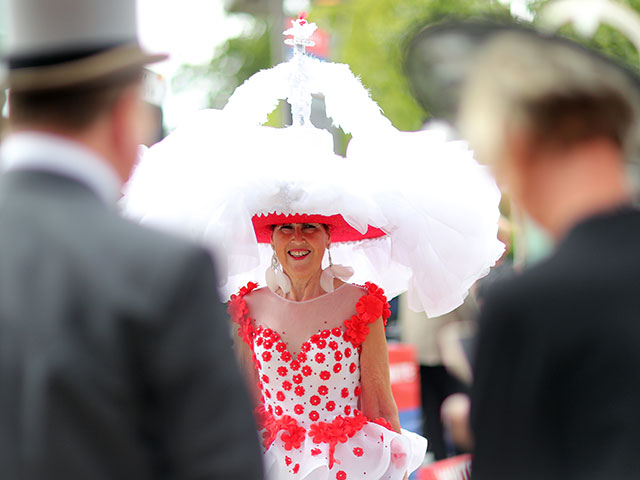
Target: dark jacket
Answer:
pixel 115 358
pixel 557 380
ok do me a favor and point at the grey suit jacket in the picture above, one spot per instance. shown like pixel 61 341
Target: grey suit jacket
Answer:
pixel 115 355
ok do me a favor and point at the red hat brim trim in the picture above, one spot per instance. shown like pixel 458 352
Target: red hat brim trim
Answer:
pixel 340 230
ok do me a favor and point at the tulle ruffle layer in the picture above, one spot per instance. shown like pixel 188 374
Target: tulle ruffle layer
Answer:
pixel 438 206
pixel 374 452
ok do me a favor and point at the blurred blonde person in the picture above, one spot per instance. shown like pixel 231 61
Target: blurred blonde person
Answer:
pixel 556 377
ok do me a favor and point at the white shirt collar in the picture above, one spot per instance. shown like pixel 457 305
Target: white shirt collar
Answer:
pixel 51 153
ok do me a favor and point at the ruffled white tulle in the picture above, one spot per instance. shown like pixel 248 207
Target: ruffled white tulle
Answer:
pixel 387 456
pixel 438 206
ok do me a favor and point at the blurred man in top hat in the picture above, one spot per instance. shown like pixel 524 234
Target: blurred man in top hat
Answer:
pixel 557 373
pixel 115 359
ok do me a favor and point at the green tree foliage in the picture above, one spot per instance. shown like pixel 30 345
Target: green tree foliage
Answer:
pixel 372 36
pixel 231 64
pixel 607 39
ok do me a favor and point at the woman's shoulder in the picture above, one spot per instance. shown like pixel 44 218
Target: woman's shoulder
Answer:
pixel 354 288
pixel 369 288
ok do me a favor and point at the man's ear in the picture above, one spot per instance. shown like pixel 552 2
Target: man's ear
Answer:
pixel 130 123
pixel 519 148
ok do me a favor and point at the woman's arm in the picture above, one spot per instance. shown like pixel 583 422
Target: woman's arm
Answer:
pixel 376 399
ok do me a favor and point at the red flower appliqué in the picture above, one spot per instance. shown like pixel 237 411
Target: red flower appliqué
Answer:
pixel 293 436
pixel 338 431
pixel 383 422
pixel 239 313
pixel 306 370
pixel 369 308
pixel 358 452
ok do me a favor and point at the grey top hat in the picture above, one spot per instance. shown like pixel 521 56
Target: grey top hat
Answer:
pixel 54 44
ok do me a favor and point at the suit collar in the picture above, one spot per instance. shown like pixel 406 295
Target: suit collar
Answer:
pixel 37 151
pixel 612 222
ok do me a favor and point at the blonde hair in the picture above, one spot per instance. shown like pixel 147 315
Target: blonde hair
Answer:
pixel 556 92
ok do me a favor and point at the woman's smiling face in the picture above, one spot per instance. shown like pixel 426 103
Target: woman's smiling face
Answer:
pixel 300 248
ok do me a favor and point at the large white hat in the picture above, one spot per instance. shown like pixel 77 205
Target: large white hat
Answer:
pixel 409 211
pixel 61 43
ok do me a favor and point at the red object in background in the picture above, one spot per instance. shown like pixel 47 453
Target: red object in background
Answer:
pixel 404 373
pixel 454 468
pixel 322 47
pixel 321 38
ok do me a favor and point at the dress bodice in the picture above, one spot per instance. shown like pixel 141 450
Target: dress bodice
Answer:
pixel 307 360
pixel 320 382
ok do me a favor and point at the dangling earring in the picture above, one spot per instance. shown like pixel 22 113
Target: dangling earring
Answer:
pixel 332 272
pixel 276 278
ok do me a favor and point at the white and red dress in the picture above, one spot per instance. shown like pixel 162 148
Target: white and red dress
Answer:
pixel 307 360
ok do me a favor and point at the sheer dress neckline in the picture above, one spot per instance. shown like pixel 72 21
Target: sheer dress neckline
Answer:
pixel 296 322
pixel 324 295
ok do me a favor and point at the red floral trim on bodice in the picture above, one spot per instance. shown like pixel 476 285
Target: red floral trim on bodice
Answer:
pixel 369 308
pixel 239 313
pixel 339 430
